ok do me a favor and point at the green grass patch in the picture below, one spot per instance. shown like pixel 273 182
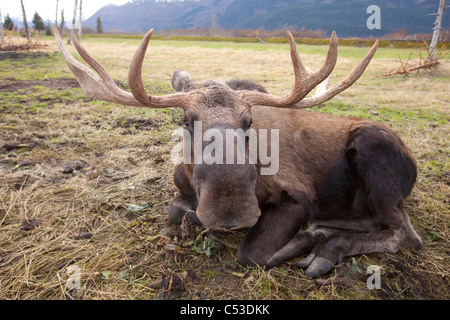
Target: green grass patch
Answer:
pixel 30 66
pixel 348 48
pixel 397 117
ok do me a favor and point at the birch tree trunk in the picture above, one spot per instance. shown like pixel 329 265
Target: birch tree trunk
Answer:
pixel 25 24
pixel 436 30
pixel 1 26
pixel 80 18
pixel 56 18
pixel 74 20
pixel 61 26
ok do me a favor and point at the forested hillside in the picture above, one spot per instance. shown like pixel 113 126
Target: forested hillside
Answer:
pixel 347 17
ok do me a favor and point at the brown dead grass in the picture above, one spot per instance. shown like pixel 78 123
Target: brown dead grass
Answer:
pixel 50 220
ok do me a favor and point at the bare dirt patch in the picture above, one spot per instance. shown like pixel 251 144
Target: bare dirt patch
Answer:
pixel 15 55
pixel 13 85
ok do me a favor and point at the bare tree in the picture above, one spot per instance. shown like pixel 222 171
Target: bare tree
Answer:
pixel 436 30
pixel 80 18
pixel 61 26
pixel 74 20
pixel 56 18
pixel 1 26
pixel 213 23
pixel 25 24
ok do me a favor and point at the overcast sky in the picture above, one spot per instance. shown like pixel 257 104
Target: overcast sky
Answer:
pixel 47 8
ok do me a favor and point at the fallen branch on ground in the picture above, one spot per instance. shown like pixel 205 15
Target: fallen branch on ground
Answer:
pixel 424 63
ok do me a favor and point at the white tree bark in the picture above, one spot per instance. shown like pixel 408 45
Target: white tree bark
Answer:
pixel 1 26
pixel 25 23
pixel 56 19
pixel 80 18
pixel 74 20
pixel 436 30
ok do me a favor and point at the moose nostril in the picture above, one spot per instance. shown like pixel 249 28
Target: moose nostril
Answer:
pixel 228 226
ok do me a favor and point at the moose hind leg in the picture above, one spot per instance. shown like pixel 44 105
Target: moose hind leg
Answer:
pixel 333 250
pixel 343 244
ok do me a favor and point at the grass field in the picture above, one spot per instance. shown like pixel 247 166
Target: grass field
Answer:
pixel 86 183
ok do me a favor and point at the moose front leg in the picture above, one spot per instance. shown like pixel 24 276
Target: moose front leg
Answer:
pixel 274 229
pixel 184 204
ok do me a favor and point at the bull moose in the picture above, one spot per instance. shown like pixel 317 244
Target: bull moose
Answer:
pixel 340 183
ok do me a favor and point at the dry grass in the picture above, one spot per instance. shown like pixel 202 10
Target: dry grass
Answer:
pixel 50 220
pixel 12 41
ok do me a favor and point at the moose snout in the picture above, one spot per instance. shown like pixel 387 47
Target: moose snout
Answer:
pixel 226 196
pixel 218 220
pixel 229 226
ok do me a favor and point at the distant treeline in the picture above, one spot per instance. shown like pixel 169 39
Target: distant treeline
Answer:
pixel 260 34
pixel 351 42
pixel 243 33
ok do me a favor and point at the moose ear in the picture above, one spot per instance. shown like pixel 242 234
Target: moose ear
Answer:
pixel 181 81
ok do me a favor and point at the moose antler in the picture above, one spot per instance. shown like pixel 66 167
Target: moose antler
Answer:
pixel 324 94
pixel 106 89
pixel 137 86
pixel 305 80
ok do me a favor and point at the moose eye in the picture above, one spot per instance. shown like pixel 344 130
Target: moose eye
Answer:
pixel 186 123
pixel 245 124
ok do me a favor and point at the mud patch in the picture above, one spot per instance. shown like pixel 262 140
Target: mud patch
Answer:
pixel 14 55
pixel 403 281
pixel 61 83
pixel 139 124
pixel 24 143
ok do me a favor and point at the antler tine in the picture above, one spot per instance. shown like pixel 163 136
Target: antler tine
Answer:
pixel 304 81
pixel 90 83
pixel 324 94
pixel 321 75
pixel 137 86
pixel 91 61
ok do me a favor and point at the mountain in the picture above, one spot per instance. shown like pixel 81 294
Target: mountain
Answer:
pixel 347 17
pixel 142 15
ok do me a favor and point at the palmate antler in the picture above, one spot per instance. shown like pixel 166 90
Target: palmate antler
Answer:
pixel 104 88
pixel 305 80
pixel 324 94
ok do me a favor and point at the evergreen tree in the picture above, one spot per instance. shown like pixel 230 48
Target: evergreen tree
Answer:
pixel 38 22
pixel 99 25
pixel 48 31
pixel 8 24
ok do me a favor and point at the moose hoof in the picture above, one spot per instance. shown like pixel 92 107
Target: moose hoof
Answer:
pixel 318 267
